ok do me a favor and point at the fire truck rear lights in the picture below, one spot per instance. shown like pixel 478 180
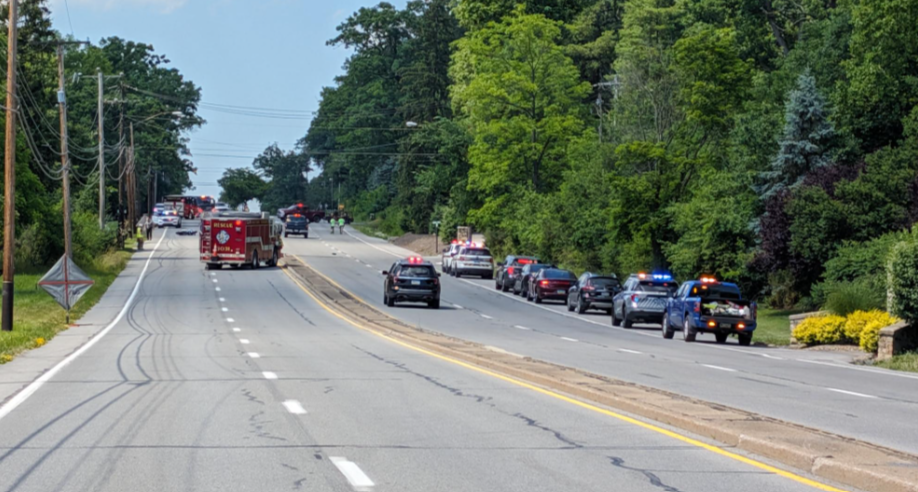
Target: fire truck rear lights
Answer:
pixel 238 223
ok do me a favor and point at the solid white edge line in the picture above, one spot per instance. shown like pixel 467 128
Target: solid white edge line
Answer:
pixel 852 393
pixel 294 407
pixel 485 316
pixel 34 386
pixel 518 327
pixel 883 372
pixel 354 475
pixel 773 357
pixel 570 339
pixel 719 368
pixel 269 375
pixel 457 306
pixel 254 355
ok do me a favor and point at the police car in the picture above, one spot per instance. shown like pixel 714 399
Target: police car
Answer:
pixel 473 259
pixel 412 280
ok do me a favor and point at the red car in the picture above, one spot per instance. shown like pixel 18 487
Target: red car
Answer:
pixel 551 283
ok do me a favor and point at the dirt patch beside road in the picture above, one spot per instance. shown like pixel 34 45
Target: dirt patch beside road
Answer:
pixel 423 244
pixel 833 457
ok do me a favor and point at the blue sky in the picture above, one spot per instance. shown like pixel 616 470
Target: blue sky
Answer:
pixel 260 53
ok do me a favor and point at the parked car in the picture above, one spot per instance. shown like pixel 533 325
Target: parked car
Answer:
pixel 221 207
pixel 448 255
pixel 472 260
pixel 550 283
pixel 503 278
pixel 709 306
pixel 412 280
pixel 593 291
pixel 643 299
pixel 522 277
pixel 167 218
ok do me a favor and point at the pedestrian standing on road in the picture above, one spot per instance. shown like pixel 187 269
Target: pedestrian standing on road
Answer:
pixel 149 226
pixel 341 225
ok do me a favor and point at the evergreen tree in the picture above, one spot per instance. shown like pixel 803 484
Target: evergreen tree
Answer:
pixel 807 139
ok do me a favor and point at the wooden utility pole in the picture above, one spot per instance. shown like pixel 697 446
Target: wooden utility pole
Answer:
pixel 131 185
pixel 121 156
pixel 101 111
pixel 9 174
pixel 65 159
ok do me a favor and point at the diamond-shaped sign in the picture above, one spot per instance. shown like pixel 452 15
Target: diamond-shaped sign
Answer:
pixel 66 282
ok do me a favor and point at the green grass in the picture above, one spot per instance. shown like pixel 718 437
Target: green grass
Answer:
pixel 903 362
pixel 370 228
pixel 37 318
pixel 774 326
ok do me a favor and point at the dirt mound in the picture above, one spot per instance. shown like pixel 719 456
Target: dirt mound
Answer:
pixel 422 244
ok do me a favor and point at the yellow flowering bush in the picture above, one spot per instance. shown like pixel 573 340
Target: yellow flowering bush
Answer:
pixel 870 335
pixel 820 330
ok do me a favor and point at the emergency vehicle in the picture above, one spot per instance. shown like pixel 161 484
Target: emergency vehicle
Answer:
pixel 191 207
pixel 240 238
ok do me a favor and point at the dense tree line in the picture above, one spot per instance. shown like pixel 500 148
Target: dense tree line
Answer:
pixel 769 142
pixel 154 91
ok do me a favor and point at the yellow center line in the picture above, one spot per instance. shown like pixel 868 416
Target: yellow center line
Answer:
pixel 624 418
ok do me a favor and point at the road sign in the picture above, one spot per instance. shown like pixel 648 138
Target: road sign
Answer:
pixel 66 283
pixel 436 224
pixel 341 207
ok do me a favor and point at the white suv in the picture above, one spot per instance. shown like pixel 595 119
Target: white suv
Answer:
pixel 448 255
pixel 473 260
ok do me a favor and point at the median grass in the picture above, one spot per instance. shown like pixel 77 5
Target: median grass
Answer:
pixel 774 326
pixel 37 318
pixel 903 362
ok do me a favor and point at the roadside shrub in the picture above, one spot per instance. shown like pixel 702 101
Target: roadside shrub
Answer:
pixel 870 333
pixel 903 280
pixel 783 294
pixel 861 295
pixel 821 330
pixel 33 249
pixel 90 242
pixel 856 322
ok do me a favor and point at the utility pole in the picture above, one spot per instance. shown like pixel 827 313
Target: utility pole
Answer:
pixel 121 160
pixel 101 110
pixel 9 174
pixel 131 185
pixel 65 160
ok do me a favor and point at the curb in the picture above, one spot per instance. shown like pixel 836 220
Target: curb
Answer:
pixel 830 456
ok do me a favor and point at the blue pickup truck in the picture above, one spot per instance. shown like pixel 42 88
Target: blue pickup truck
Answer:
pixel 709 306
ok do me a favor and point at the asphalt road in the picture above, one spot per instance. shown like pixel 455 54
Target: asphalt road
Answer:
pixel 816 389
pixel 237 380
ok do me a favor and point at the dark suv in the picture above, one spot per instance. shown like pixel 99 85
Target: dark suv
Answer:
pixel 503 279
pixel 593 291
pixel 296 224
pixel 412 280
pixel 521 278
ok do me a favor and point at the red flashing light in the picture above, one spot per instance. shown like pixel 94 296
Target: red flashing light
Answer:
pixel 414 260
pixel 524 261
pixel 708 280
pixel 238 223
pixel 510 270
pixel 300 205
pixel 642 276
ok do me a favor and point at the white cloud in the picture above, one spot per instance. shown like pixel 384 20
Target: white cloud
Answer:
pixel 163 6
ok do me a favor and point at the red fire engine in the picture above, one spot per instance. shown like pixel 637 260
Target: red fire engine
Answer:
pixel 191 207
pixel 240 238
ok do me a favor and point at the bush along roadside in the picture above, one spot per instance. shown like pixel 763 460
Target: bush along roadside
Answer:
pixel 37 318
pixel 860 328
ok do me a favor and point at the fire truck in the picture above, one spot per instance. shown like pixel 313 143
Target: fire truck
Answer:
pixel 240 238
pixel 191 207
pixel 299 208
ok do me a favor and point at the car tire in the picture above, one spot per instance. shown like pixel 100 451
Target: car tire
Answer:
pixel 626 323
pixel 497 284
pixel 434 304
pixel 273 261
pixel 570 306
pixel 305 236
pixel 688 333
pixel 286 234
pixel 255 261
pixel 580 306
pixel 458 274
pixel 667 329
pixel 745 339
pixel 721 337
pixel 390 301
pixel 537 299
pixel 615 320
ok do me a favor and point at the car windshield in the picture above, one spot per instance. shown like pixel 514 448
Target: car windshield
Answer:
pixel 559 275
pixel 417 271
pixel 536 267
pixel 477 252
pixel 604 282
pixel 663 288
pixel 717 290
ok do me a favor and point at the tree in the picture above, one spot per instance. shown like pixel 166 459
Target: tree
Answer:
pixel 519 94
pixel 240 186
pixel 285 177
pixel 807 139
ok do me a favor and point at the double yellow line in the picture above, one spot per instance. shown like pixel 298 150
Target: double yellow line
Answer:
pixel 624 418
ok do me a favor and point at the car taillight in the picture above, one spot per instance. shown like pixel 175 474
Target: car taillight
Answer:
pixel 634 298
pixel 509 270
pixel 588 289
pixel 436 281
pixel 697 307
pixel 544 282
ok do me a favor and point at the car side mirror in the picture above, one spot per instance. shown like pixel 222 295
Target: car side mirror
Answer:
pixel 385 272
pixel 439 274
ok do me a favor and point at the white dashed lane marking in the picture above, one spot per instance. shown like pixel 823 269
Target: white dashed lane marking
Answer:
pixel 254 355
pixel 354 475
pixel 294 407
pixel 244 341
pixel 518 327
pixel 230 320
pixel 851 393
pixel 718 368
pixel 569 339
pixel 269 375
pixel 237 330
pixel 627 351
pixel 485 316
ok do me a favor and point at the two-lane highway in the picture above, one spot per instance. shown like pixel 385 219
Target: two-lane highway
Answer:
pixel 237 380
pixel 819 390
